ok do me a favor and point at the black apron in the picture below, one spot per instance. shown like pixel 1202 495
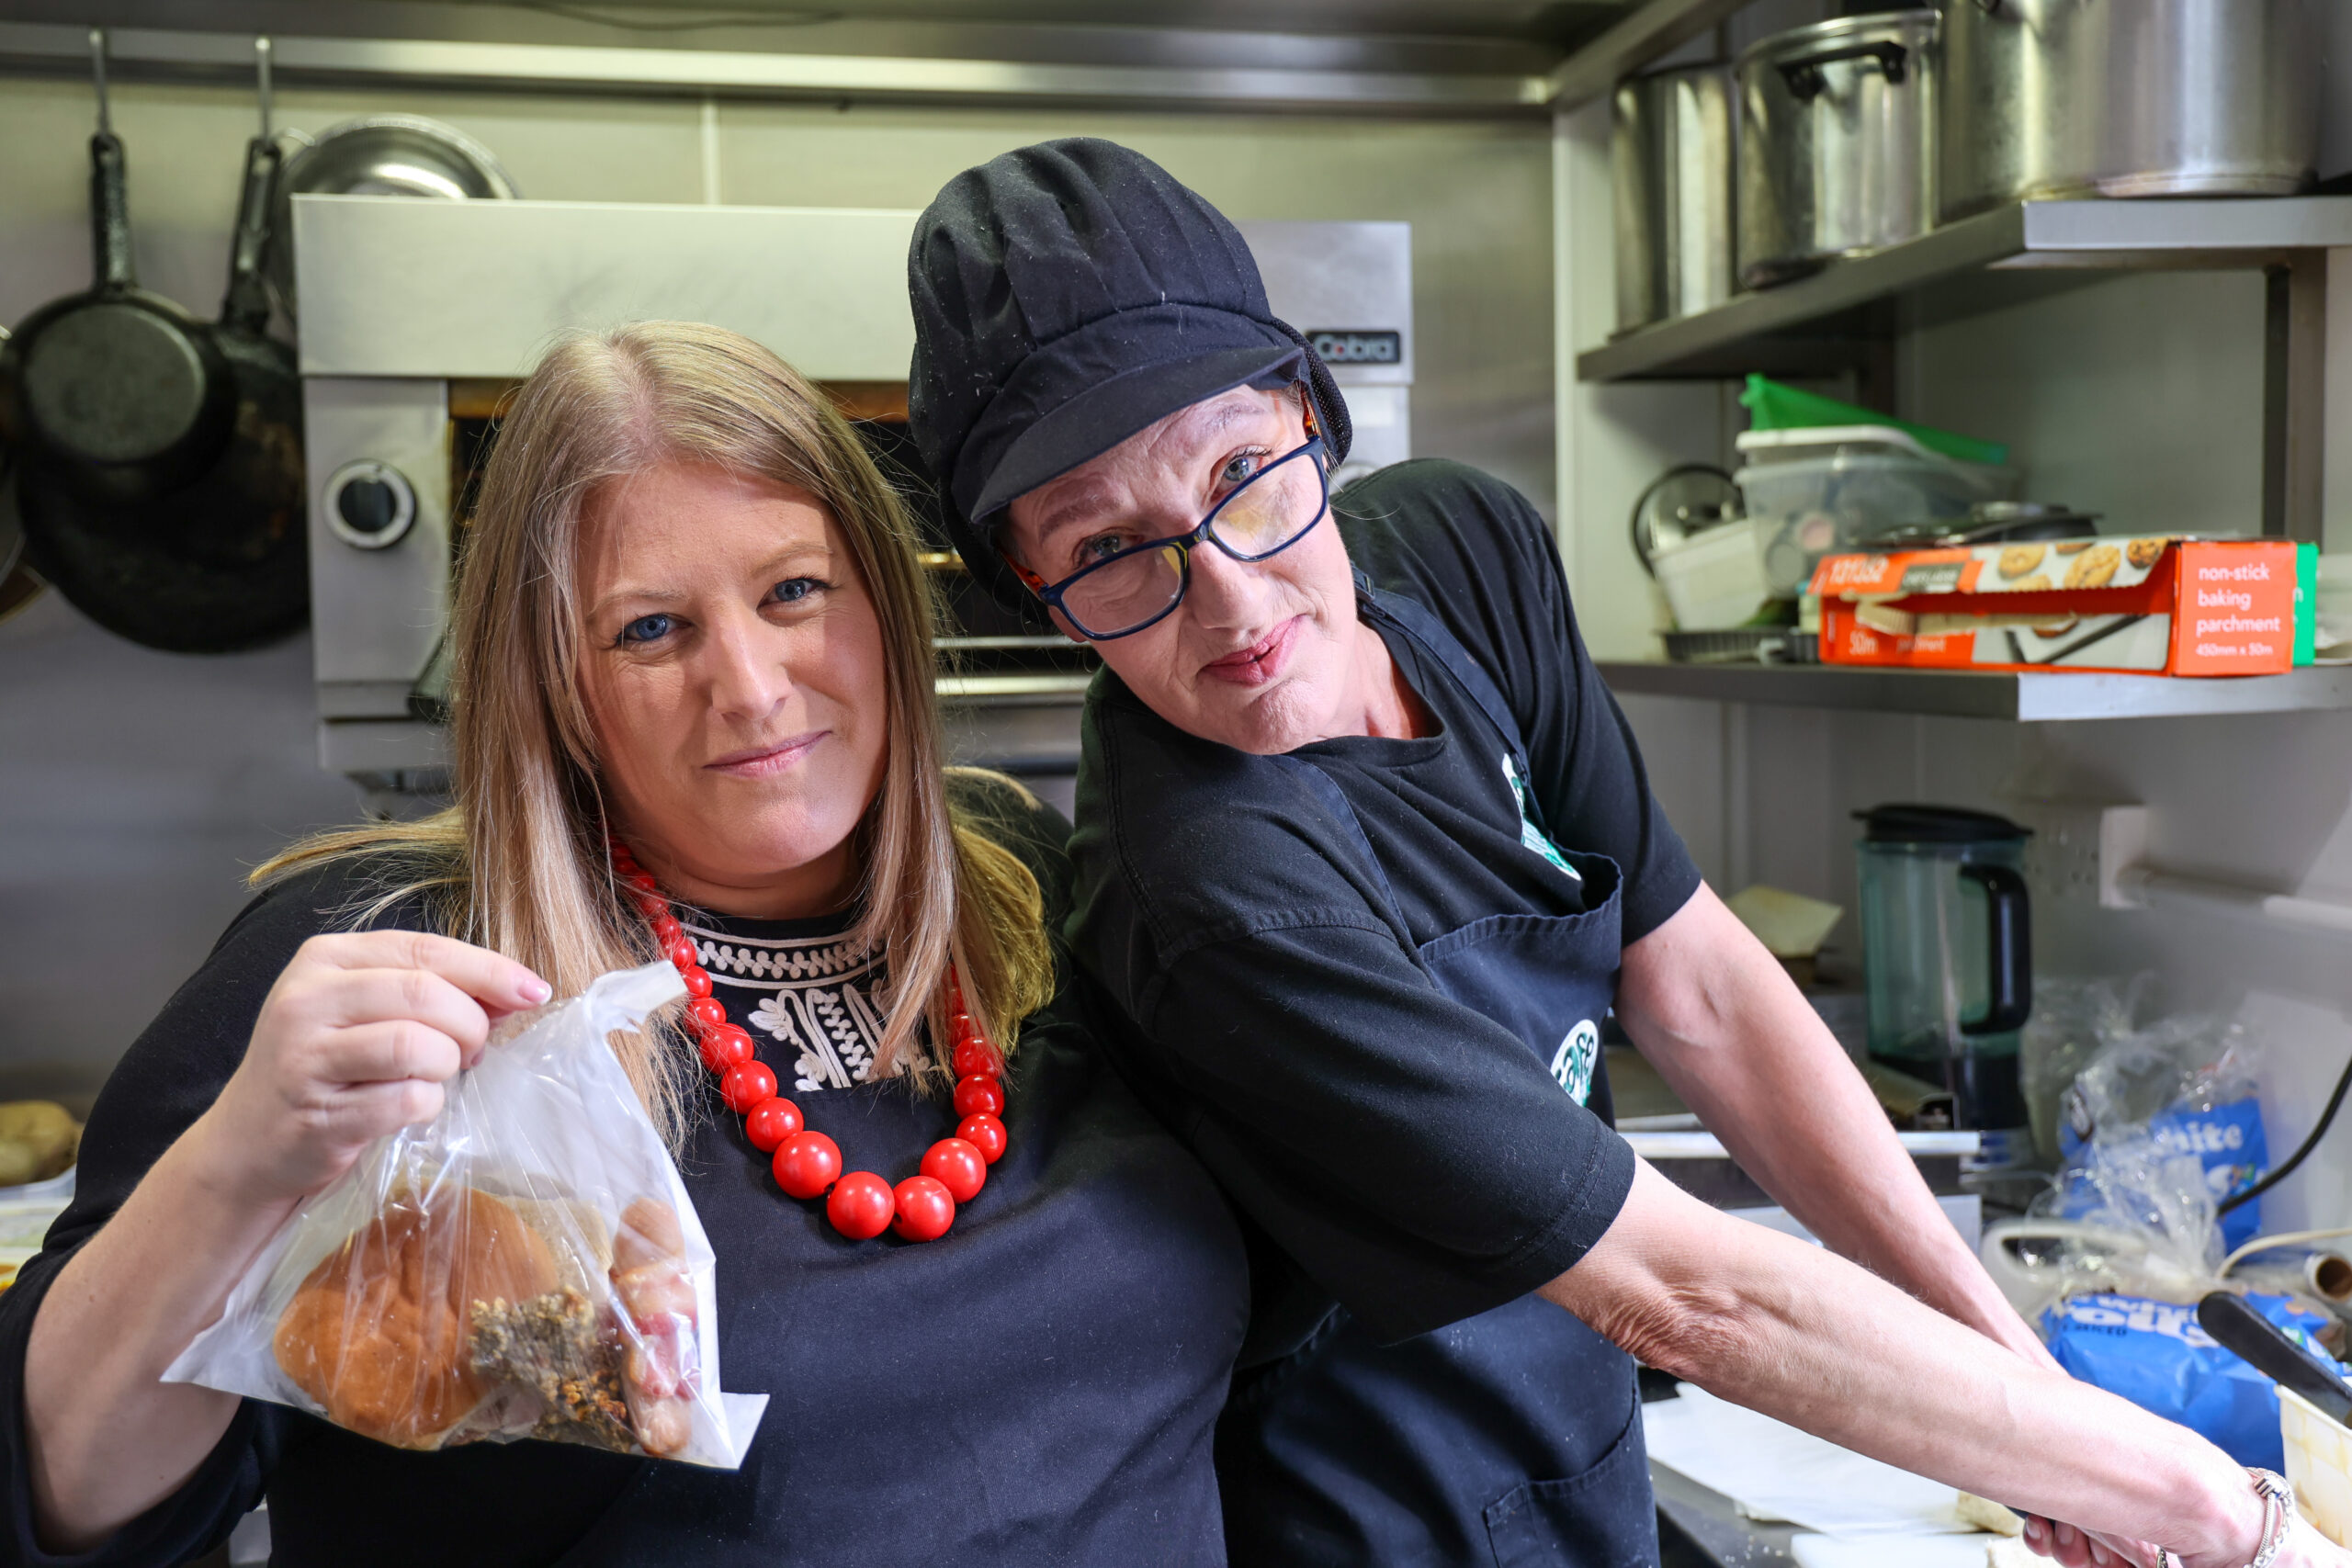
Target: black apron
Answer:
pixel 1510 1437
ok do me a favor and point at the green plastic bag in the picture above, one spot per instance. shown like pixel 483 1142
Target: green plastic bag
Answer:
pixel 1772 406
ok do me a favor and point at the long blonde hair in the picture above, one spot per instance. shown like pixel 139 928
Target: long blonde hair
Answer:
pixel 518 863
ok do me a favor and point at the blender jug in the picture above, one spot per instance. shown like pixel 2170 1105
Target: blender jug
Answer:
pixel 1948 957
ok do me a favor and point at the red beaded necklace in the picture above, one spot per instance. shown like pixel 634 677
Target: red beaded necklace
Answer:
pixel 862 1205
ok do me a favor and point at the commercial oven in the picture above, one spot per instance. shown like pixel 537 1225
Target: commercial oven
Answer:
pixel 419 316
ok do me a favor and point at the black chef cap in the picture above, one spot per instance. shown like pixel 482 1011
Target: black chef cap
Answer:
pixel 1066 296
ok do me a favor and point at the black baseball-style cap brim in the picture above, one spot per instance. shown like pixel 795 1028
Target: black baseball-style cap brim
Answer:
pixel 1082 428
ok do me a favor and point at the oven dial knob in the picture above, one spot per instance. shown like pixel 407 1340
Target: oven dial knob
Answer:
pixel 369 505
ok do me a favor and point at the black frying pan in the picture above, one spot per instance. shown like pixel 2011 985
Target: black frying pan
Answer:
pixel 118 392
pixel 218 562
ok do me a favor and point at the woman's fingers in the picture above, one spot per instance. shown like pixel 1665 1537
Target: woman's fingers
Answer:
pixel 365 1113
pixel 497 983
pixel 357 997
pixel 386 1051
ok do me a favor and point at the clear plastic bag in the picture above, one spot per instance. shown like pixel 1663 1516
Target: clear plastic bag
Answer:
pixel 2072 1022
pixel 2189 1083
pixel 526 1265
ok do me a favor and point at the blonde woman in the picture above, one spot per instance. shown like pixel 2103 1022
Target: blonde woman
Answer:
pixel 691 622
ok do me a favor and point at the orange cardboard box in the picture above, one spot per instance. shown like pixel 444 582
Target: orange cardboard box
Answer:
pixel 2157 605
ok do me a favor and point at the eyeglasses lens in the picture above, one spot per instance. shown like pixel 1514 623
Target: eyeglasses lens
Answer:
pixel 1277 505
pixel 1128 591
pixel 1270 510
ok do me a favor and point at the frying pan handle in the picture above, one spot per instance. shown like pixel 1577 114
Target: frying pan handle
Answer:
pixel 110 214
pixel 247 303
pixel 2009 945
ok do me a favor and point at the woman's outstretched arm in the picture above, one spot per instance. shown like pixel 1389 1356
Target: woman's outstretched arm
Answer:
pixel 1801 1335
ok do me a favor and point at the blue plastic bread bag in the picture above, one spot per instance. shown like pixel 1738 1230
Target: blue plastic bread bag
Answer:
pixel 2156 1355
pixel 2187 1083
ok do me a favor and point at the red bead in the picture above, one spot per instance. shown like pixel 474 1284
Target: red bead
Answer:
pixel 704 1014
pixel 745 1084
pixel 925 1208
pixel 642 881
pixel 625 859
pixel 771 1122
pixel 666 930
pixel 680 952
pixel 975 1056
pixel 806 1163
pixel 957 1166
pixel 724 1047
pixel 697 979
pixel 985 1133
pixel 652 906
pixel 861 1205
pixel 978 1096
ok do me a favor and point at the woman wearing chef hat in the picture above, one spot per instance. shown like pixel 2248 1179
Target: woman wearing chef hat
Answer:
pixel 1365 853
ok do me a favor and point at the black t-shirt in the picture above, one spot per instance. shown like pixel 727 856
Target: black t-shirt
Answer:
pixel 1038 1387
pixel 1414 1157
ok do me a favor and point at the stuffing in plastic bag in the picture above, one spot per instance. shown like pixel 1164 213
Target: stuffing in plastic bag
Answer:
pixel 526 1265
pixel 2187 1083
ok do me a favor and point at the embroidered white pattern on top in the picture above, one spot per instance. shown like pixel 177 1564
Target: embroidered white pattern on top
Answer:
pixel 816 1006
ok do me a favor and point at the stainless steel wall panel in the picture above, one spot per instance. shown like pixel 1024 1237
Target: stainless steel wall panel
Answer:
pixel 397 287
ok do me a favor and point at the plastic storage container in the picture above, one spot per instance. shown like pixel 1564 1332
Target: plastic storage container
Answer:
pixel 1714 580
pixel 1773 405
pixel 1814 491
pixel 2319 1466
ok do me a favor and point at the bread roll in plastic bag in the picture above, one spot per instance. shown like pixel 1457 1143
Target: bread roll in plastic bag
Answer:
pixel 526 1265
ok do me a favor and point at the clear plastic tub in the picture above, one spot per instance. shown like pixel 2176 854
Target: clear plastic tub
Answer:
pixel 1714 580
pixel 1814 491
pixel 2319 1466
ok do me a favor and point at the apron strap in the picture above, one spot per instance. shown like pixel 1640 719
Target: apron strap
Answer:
pixel 1335 800
pixel 1424 627
pixel 1418 622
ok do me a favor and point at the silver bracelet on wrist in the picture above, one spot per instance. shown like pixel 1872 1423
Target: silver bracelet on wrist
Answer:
pixel 2278 1515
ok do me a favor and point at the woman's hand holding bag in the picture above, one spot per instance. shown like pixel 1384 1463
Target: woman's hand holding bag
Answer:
pixel 355 1042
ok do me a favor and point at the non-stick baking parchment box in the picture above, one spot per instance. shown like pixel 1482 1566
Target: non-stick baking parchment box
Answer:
pixel 2157 605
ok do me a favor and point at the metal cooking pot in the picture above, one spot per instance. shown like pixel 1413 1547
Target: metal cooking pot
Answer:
pixel 2127 97
pixel 383 155
pixel 1836 129
pixel 1670 165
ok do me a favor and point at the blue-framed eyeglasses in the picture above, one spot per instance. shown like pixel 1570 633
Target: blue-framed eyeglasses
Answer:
pixel 1266 514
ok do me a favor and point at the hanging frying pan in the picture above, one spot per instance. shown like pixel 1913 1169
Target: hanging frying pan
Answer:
pixel 18 585
pixel 218 562
pixel 118 392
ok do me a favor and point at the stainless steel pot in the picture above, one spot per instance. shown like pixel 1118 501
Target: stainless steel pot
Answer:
pixel 382 154
pixel 2127 97
pixel 1836 129
pixel 1671 164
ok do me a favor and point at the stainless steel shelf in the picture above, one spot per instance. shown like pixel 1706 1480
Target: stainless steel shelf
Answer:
pixel 1962 694
pixel 1747 331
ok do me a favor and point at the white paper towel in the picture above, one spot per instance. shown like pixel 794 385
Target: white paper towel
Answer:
pixel 1894 1551
pixel 1774 1471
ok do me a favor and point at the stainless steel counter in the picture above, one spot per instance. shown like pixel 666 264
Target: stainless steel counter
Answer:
pixel 1711 1532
